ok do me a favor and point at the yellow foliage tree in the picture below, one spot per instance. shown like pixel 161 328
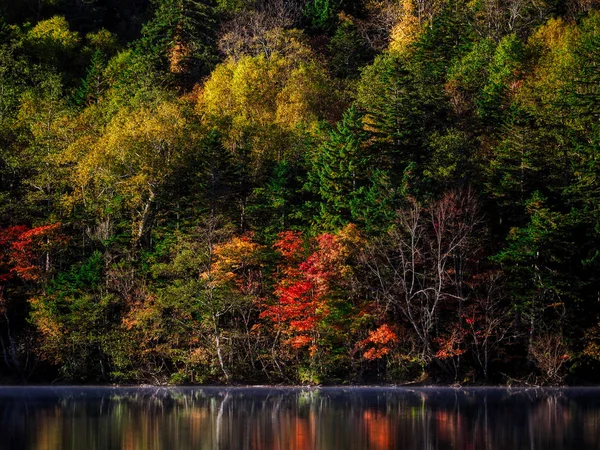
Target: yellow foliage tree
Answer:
pixel 51 38
pixel 129 160
pixel 554 42
pixel 262 101
pixel 407 30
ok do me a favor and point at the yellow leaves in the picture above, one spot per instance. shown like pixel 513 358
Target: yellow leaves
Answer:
pixel 53 34
pixel 351 239
pixel 261 101
pixel 216 98
pixel 300 99
pixel 253 87
pixel 135 152
pixel 407 30
pixel 50 330
pixel 257 90
pixel 103 40
pixel 554 42
pixel 47 119
pixel 235 260
pixel 592 342
pixel 551 35
pixel 119 168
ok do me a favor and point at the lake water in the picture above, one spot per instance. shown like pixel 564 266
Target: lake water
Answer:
pixel 90 418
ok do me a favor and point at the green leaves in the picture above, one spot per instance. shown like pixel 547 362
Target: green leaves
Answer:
pixel 180 38
pixel 348 177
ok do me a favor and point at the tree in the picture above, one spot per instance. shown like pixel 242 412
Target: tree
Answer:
pixel 26 258
pixel 322 13
pixel 419 268
pixel 51 41
pixel 195 320
pixel 45 121
pixel 93 84
pixel 312 308
pixel 180 37
pixel 532 260
pixel 402 107
pixel 266 108
pixel 503 73
pixel 277 205
pixel 488 320
pixel 345 176
pixel 122 172
pixel 76 321
pixel 349 50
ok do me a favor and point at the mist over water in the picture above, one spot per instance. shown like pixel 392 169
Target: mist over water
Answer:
pixel 298 418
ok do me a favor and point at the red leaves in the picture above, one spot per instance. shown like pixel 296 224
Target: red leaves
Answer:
pixel 22 250
pixel 8 236
pixel 312 276
pixel 304 286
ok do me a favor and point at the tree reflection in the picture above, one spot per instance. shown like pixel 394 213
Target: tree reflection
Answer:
pixel 298 419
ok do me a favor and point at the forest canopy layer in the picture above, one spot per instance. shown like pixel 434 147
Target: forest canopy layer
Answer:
pixel 300 191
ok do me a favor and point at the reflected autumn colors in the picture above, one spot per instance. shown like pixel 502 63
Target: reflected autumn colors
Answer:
pixel 298 418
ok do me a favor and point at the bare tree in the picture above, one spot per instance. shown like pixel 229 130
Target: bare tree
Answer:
pixel 417 268
pixel 246 32
pixel 550 353
pixel 381 17
pixel 501 17
pixel 577 7
pixel 487 319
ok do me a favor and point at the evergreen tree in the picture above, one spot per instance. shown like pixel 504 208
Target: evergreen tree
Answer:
pixel 93 84
pixel 180 38
pixel 345 175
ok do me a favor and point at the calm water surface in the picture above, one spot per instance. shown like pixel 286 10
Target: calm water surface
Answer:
pixel 51 418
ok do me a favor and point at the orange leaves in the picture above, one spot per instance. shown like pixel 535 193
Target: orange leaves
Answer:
pixel 299 341
pixel 382 339
pixel 382 335
pixel 238 261
pixel 451 345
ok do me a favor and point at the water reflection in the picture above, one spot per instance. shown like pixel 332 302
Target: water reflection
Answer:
pixel 298 419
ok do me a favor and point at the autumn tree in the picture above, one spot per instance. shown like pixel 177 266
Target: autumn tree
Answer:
pixel 310 308
pixel 26 260
pixel 196 318
pixel 419 267
pixel 121 172
pixel 266 107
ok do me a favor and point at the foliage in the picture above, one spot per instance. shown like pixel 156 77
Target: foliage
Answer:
pixel 304 191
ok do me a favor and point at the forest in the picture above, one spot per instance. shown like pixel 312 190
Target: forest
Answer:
pixel 300 191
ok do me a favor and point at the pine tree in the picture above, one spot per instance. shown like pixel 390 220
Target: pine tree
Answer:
pixel 403 107
pixel 180 38
pixel 345 174
pixel 92 85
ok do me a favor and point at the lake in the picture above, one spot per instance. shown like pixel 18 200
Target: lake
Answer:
pixel 86 418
